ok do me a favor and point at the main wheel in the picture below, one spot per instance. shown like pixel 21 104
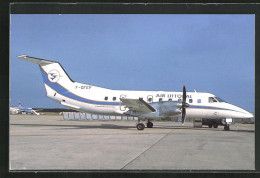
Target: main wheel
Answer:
pixel 210 126
pixel 149 125
pixel 215 125
pixel 226 128
pixel 140 126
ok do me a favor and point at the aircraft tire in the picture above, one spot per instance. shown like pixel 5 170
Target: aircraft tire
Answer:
pixel 210 126
pixel 215 125
pixel 149 125
pixel 140 126
pixel 226 128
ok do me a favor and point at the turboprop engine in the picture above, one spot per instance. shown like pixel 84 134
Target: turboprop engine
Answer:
pixel 164 108
pixel 171 108
pixel 167 108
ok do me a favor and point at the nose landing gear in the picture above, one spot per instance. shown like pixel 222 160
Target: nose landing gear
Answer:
pixel 226 127
pixel 215 125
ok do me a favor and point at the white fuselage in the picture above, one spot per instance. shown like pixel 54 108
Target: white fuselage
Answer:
pixel 97 100
pixel 92 99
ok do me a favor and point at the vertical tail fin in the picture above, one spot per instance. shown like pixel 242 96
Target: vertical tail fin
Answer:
pixel 19 104
pixel 54 76
pixel 49 68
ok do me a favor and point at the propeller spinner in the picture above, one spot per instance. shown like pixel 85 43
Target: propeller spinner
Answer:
pixel 184 105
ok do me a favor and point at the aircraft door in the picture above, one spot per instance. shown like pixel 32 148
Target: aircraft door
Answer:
pixel 122 106
pixel 150 98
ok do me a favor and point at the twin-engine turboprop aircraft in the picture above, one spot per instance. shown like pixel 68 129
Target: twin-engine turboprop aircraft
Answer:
pixel 146 105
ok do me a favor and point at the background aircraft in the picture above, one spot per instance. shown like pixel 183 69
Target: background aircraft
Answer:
pixel 23 110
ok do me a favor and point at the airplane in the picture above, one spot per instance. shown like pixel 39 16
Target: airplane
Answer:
pixel 145 105
pixel 14 110
pixel 21 110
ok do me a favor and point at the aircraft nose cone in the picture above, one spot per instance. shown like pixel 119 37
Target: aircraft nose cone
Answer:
pixel 249 115
pixel 241 113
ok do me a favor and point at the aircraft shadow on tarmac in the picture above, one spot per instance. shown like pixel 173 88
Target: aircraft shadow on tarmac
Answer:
pixel 127 127
pixel 221 128
pixel 101 126
pixel 181 127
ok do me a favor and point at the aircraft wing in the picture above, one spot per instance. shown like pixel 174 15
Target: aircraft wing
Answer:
pixel 138 105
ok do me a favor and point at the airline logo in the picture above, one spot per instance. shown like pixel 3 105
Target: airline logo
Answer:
pixel 53 76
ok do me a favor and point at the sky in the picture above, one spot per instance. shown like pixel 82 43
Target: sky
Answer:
pixel 209 53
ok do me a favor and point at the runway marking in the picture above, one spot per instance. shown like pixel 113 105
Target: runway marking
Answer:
pixel 94 134
pixel 146 150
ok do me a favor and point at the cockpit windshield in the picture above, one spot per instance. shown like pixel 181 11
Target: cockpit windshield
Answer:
pixel 220 100
pixel 215 99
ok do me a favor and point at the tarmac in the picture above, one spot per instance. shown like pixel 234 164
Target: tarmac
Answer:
pixel 51 143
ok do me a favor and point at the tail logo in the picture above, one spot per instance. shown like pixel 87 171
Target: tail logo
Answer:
pixel 53 76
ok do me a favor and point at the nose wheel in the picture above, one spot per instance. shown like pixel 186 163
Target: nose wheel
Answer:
pixel 215 125
pixel 226 127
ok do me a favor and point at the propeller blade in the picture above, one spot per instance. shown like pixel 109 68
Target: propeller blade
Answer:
pixel 184 94
pixel 183 114
pixel 184 104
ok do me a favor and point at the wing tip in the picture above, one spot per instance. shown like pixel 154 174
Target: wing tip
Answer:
pixel 22 56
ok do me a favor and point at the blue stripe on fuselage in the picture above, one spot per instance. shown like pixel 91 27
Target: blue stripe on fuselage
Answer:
pixel 65 92
pixel 216 108
pixel 206 107
pixel 68 94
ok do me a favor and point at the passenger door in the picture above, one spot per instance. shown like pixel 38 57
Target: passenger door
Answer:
pixel 122 106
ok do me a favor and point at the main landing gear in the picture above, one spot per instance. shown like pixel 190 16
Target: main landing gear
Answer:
pixel 141 126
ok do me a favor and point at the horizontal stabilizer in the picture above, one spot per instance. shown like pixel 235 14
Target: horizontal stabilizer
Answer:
pixel 36 60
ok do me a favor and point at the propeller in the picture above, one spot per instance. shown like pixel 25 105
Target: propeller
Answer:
pixel 184 105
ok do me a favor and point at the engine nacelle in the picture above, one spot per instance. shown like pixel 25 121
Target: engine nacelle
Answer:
pixel 163 109
pixel 169 108
pixel 169 112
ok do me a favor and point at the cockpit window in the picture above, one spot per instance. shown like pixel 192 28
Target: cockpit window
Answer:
pixel 215 99
pixel 212 100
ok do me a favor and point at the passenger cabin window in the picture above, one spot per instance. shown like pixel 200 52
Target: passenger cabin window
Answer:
pixel 160 99
pixel 199 101
pixel 106 98
pixel 190 100
pixel 114 98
